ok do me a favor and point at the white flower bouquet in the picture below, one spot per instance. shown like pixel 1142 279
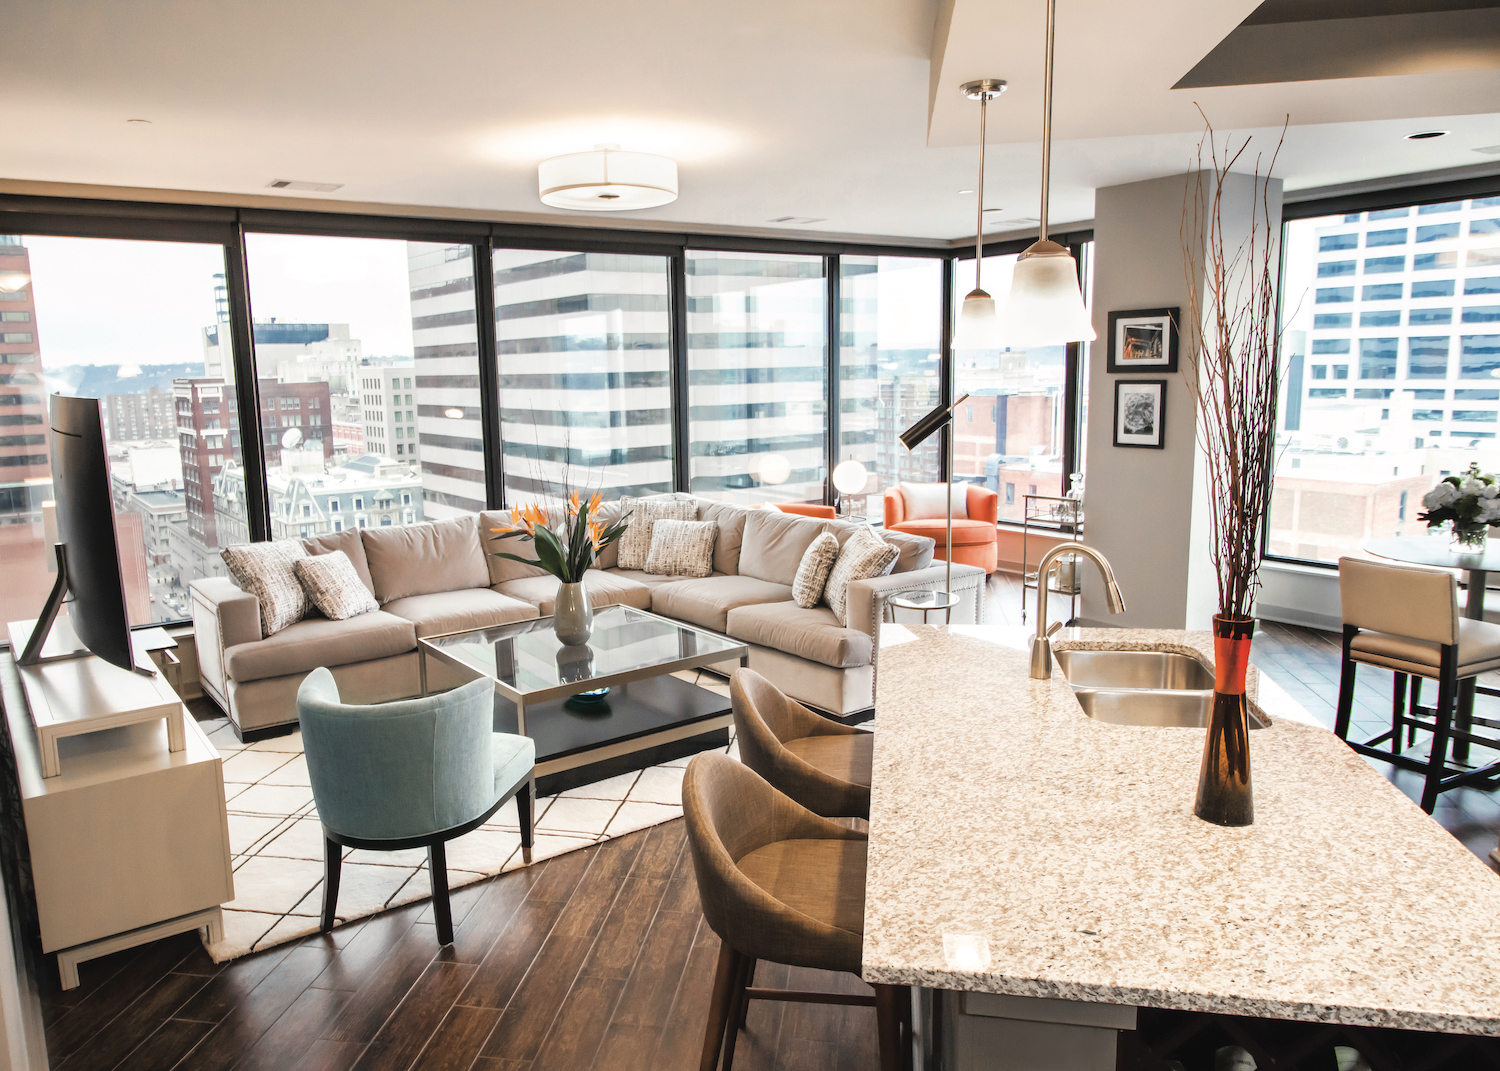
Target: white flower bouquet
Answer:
pixel 1470 500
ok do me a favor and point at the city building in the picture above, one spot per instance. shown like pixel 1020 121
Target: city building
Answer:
pixel 387 409
pixel 280 347
pixel 366 492
pixel 132 417
pixel 24 466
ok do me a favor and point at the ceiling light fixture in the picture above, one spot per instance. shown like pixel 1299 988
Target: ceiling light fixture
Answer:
pixel 607 180
pixel 1424 135
pixel 455 413
pixel 11 281
pixel 1046 306
pixel 976 320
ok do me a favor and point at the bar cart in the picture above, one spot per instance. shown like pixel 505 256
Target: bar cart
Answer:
pixel 1053 516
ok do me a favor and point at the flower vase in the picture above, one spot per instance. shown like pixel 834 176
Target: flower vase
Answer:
pixel 1224 793
pixel 1470 538
pixel 573 618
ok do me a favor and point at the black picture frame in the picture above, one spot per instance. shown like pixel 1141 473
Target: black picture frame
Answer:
pixel 1148 324
pixel 1153 437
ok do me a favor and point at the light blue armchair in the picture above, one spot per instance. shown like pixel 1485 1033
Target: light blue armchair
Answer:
pixel 414 773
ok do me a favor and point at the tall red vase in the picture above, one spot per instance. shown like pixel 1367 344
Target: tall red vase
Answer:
pixel 1224 793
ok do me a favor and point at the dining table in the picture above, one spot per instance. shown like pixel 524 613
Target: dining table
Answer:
pixel 1439 550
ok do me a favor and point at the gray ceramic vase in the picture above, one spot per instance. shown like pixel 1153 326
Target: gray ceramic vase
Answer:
pixel 573 619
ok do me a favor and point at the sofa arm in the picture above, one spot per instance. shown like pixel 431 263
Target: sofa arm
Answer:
pixel 895 506
pixel 983 504
pixel 223 616
pixel 867 598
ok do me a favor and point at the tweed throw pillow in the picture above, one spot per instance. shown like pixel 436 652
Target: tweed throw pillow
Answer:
pixel 635 541
pixel 682 548
pixel 334 586
pixel 265 571
pixel 865 555
pixel 812 573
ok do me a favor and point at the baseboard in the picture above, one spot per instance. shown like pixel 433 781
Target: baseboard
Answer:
pixel 1290 615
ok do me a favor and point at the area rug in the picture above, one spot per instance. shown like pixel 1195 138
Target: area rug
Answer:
pixel 277 840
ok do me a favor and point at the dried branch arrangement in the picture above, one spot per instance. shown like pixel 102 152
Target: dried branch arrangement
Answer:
pixel 1232 349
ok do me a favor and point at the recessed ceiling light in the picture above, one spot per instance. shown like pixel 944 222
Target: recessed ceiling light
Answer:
pixel 1423 135
pixel 962 192
pixel 454 413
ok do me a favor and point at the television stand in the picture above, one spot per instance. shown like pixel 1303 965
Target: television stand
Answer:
pixel 79 695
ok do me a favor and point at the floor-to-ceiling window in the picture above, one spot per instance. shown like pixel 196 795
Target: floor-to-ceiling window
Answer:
pixel 584 350
pixel 366 360
pixel 757 376
pixel 127 322
pixel 890 367
pixel 1010 431
pixel 1391 345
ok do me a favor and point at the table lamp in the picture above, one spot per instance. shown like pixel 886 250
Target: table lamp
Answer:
pixel 850 478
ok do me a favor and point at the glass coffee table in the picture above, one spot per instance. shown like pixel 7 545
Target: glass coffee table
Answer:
pixel 603 708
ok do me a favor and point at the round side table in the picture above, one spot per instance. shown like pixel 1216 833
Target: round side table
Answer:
pixel 925 601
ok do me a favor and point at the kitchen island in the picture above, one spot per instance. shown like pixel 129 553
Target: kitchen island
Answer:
pixel 1022 850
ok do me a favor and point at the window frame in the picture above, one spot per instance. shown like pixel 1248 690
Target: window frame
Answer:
pixel 1410 196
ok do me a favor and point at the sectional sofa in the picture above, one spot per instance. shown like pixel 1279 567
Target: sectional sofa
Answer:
pixel 441 577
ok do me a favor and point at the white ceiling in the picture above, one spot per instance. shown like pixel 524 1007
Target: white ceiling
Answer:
pixel 844 110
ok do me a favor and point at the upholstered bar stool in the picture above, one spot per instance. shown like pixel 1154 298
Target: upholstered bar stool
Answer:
pixel 778 883
pixel 1405 618
pixel 410 774
pixel 822 764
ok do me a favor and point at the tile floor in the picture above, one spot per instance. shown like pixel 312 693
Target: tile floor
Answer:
pixel 277 841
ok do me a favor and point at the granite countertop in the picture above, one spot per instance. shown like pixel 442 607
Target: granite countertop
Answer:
pixel 1002 816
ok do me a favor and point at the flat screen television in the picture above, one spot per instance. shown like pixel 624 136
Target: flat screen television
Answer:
pixel 88 575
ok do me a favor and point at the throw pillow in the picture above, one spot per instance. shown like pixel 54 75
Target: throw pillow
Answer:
pixel 334 586
pixel 635 541
pixel 812 573
pixel 865 555
pixel 682 548
pixel 265 571
pixel 929 501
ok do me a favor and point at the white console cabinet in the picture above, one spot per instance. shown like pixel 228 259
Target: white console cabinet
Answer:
pixel 129 841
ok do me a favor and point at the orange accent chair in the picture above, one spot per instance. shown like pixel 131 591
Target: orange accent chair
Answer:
pixel 809 509
pixel 974 536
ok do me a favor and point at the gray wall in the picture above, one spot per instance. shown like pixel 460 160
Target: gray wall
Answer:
pixel 1141 503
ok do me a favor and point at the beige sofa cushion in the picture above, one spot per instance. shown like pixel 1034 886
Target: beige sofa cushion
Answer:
pixel 604 589
pixel 731 522
pixel 813 634
pixel 651 581
pixel 353 547
pixel 503 569
pixel 456 611
pixel 707 602
pixel 774 544
pixel 303 647
pixel 420 559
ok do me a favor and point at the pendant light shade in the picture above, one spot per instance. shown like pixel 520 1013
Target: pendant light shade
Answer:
pixel 1045 307
pixel 978 325
pixel 607 180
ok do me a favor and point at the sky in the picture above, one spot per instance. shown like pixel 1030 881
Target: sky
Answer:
pixel 111 301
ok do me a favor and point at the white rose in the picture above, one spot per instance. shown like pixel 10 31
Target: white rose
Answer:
pixel 1489 511
pixel 1491 491
pixel 1441 495
pixel 1471 485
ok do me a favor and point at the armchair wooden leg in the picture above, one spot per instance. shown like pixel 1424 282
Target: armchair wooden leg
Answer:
pixel 524 816
pixel 1347 673
pixel 1398 711
pixel 437 866
pixel 739 1001
pixel 333 858
pixel 888 1020
pixel 746 981
pixel 718 1007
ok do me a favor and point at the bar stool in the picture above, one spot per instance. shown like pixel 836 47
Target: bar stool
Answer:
pixel 778 883
pixel 1405 618
pixel 822 764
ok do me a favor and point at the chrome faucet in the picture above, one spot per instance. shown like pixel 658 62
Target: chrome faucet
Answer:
pixel 1041 643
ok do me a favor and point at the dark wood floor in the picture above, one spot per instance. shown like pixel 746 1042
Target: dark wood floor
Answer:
pixel 597 959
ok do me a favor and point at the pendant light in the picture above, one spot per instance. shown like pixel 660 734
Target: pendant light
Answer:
pixel 1046 307
pixel 977 323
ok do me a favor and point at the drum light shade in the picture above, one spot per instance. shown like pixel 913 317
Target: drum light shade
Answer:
pixel 607 180
pixel 11 281
pixel 850 477
pixel 1045 307
pixel 978 326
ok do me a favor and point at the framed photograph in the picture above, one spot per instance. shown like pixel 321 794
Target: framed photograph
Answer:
pixel 1140 409
pixel 1143 341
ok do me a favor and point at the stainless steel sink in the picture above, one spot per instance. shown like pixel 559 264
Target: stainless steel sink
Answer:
pixel 1133 669
pixel 1155 688
pixel 1146 706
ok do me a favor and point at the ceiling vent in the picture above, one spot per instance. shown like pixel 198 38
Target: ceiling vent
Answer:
pixel 313 187
pixel 797 219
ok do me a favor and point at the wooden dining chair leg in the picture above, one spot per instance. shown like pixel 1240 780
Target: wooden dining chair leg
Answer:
pixel 1346 686
pixel 1398 711
pixel 888 1025
pixel 333 858
pixel 738 1000
pixel 1437 758
pixel 718 1007
pixel 748 980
